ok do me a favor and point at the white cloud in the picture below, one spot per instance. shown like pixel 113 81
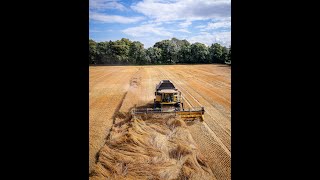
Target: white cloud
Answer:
pixel 183 30
pixel 225 23
pixel 223 38
pixel 146 30
pixel 100 31
pixel 113 18
pixel 184 9
pixel 200 26
pixel 185 24
pixel 94 31
pixel 152 22
pixel 106 4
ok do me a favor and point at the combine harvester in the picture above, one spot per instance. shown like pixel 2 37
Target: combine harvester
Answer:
pixel 168 100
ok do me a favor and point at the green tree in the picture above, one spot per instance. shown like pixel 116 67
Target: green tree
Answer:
pixel 103 53
pixel 172 51
pixel 163 45
pixel 229 56
pixel 199 53
pixel 169 51
pixel 216 52
pixel 224 56
pixel 92 51
pixel 154 54
pixel 184 55
pixel 120 51
pixel 137 54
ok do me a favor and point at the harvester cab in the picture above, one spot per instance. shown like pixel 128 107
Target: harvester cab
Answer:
pixel 168 99
pixel 167 96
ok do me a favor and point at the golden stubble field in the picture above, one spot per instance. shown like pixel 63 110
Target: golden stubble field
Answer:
pixel 115 145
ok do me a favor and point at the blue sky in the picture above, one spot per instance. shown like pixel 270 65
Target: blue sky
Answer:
pixel 150 21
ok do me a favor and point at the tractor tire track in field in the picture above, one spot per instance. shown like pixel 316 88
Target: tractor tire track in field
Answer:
pixel 219 162
pixel 215 90
pixel 218 77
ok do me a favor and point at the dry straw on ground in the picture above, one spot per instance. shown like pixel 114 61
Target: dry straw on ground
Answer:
pixel 151 149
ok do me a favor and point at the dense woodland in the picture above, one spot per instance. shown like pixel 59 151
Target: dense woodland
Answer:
pixel 172 51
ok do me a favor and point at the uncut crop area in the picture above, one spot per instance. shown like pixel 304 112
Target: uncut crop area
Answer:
pixel 114 90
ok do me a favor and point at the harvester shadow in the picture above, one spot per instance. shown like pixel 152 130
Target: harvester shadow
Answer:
pixel 114 116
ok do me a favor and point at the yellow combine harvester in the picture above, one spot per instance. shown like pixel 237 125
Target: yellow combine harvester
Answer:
pixel 168 99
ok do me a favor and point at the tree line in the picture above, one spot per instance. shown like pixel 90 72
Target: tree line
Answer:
pixel 172 51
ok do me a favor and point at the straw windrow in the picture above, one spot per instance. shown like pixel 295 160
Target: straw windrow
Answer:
pixel 151 149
